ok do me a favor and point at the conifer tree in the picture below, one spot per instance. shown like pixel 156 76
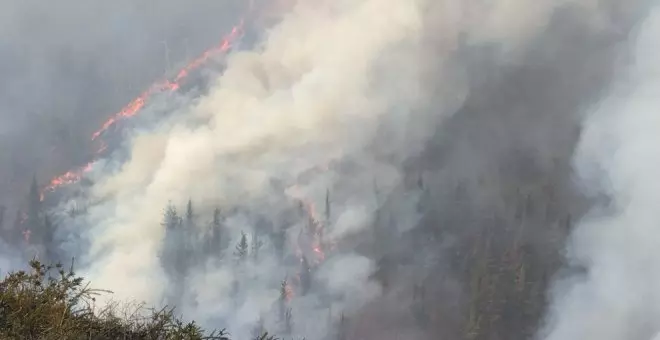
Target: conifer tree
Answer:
pixel 283 299
pixel 305 276
pixel 419 309
pixel 259 328
pixel 171 258
pixel 190 215
pixel 327 206
pixel 383 266
pixel 16 234
pixel 171 219
pixel 34 199
pixel 189 238
pixel 34 221
pixel 5 234
pixel 218 236
pixel 279 241
pixel 235 290
pixel 256 246
pixel 288 322
pixel 49 240
pixel 242 248
pixel 3 209
pixel 342 328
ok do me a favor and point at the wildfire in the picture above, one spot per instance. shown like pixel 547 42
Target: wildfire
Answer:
pixel 288 291
pixel 132 108
pixel 69 177
pixel 310 237
pixel 26 236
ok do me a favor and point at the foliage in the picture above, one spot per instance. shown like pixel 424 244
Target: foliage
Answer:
pixel 242 248
pixel 49 302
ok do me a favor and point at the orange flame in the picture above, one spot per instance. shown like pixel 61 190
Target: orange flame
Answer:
pixel 313 238
pixel 69 177
pixel 288 292
pixel 132 108
pixel 26 235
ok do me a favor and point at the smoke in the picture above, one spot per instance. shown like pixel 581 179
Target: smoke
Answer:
pixel 341 97
pixel 67 66
pixel 618 155
pixel 314 93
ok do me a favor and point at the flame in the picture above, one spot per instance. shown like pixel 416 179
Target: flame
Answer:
pixel 288 292
pixel 316 229
pixel 26 235
pixel 69 177
pixel 311 238
pixel 132 108
pixel 23 218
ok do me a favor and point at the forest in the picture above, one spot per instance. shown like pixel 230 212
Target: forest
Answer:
pixel 354 176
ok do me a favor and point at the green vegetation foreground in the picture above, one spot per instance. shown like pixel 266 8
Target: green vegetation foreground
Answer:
pixel 49 302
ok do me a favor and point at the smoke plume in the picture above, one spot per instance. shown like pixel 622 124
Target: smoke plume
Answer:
pixel 360 149
pixel 617 158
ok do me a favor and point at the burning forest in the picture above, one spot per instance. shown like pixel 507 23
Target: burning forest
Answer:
pixel 376 169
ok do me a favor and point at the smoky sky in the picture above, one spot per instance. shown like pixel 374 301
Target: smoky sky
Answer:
pixel 67 66
pixel 452 124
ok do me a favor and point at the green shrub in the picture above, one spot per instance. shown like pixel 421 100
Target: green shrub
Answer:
pixel 49 302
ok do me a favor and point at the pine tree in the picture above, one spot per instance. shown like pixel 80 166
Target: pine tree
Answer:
pixel 259 328
pixel 218 231
pixel 4 233
pixel 189 237
pixel 170 254
pixel 16 234
pixel 305 277
pixel 256 245
pixel 342 328
pixel 49 240
pixel 279 241
pixel 34 219
pixel 382 272
pixel 171 220
pixel 419 309
pixel 242 248
pixel 568 223
pixel 3 209
pixel 235 290
pixel 288 322
pixel 283 299
pixel 34 199
pixel 190 215
pixel 327 206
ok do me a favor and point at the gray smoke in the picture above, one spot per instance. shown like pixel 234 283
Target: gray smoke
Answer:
pixel 617 157
pixel 426 124
pixel 334 85
pixel 67 66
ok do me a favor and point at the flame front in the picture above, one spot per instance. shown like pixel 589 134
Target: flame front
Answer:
pixel 310 237
pixel 288 292
pixel 132 108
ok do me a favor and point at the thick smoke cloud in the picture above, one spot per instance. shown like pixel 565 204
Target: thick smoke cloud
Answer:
pixel 423 124
pixel 334 85
pixel 618 158
pixel 306 99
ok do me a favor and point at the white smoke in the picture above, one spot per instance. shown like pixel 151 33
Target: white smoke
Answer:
pixel 619 153
pixel 336 84
pixel 313 93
